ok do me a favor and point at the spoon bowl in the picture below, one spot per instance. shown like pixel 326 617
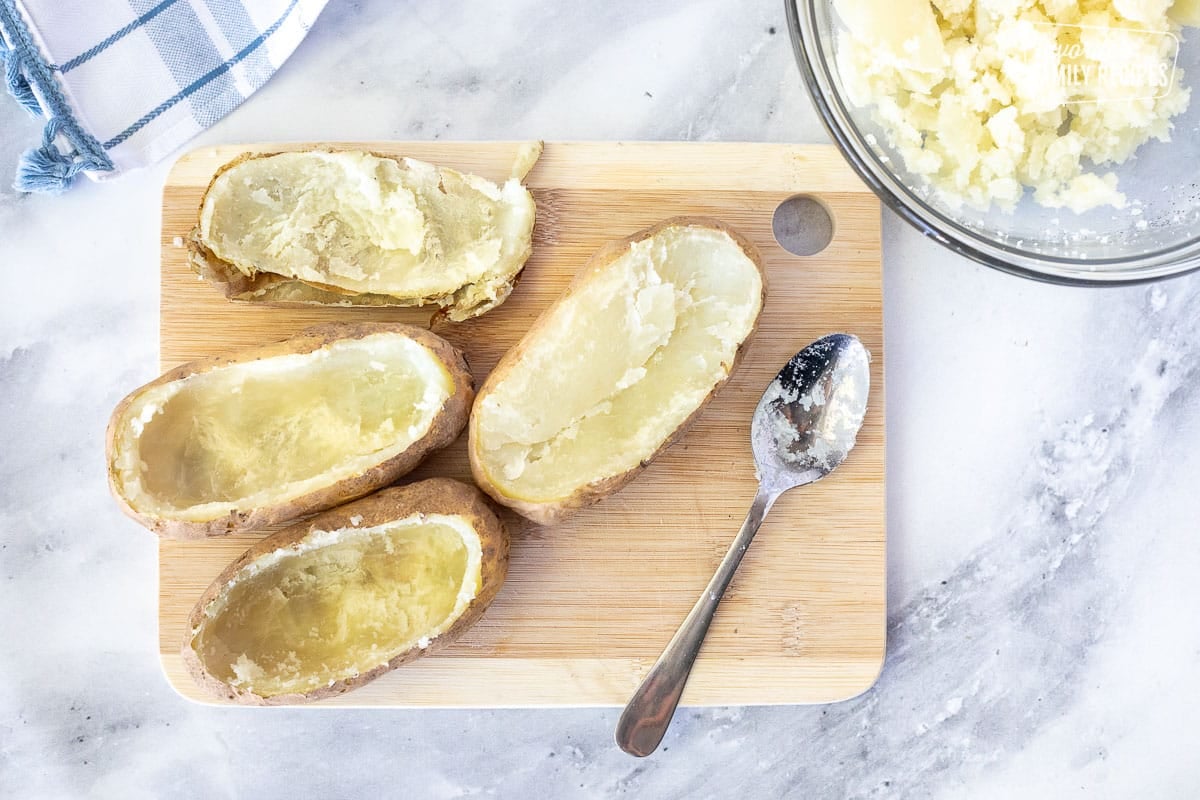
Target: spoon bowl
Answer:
pixel 803 428
pixel 808 418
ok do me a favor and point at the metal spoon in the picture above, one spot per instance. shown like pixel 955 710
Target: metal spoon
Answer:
pixel 805 424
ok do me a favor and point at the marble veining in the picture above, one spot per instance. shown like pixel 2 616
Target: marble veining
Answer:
pixel 1043 635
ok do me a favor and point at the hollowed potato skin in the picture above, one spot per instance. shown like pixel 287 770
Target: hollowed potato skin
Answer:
pixel 551 512
pixel 278 290
pixel 446 427
pixel 432 496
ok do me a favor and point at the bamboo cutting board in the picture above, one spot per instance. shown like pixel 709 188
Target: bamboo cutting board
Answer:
pixel 589 604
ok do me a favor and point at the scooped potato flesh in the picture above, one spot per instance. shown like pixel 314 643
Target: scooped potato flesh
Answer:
pixel 270 430
pixel 363 223
pixel 621 363
pixel 339 604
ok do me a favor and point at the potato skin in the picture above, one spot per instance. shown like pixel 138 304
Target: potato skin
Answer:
pixel 432 496
pixel 549 513
pixel 446 427
pixel 278 290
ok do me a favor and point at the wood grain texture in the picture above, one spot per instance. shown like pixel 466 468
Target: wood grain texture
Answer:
pixel 589 604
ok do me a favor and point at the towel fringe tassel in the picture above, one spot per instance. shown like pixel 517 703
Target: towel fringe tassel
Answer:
pixel 47 169
pixel 18 85
pixel 44 169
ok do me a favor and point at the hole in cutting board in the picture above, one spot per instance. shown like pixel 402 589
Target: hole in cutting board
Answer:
pixel 802 225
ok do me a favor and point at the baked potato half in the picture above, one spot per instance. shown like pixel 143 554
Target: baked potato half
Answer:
pixel 271 433
pixel 330 604
pixel 352 228
pixel 617 368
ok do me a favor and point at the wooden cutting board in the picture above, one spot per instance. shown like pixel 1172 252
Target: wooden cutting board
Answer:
pixel 589 604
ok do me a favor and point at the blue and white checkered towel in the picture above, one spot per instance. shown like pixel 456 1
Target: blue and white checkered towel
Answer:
pixel 122 83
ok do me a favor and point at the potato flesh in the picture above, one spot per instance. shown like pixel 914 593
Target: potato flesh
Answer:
pixel 266 431
pixel 619 365
pixel 339 604
pixel 366 224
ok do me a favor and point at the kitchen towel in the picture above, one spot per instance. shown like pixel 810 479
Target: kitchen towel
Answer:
pixel 122 83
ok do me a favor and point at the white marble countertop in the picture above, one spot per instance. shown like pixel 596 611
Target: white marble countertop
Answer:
pixel 1043 634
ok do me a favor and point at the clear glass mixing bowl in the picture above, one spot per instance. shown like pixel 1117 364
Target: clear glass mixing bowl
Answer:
pixel 1156 236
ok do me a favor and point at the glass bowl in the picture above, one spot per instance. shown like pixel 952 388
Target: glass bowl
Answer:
pixel 1157 233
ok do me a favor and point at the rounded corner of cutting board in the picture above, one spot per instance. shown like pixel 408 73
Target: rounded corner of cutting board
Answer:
pixel 180 166
pixel 872 672
pixel 175 674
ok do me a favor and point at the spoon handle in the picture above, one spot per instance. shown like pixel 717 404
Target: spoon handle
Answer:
pixel 645 719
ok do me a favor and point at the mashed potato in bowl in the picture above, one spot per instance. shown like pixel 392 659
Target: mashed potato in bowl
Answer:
pixel 984 100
